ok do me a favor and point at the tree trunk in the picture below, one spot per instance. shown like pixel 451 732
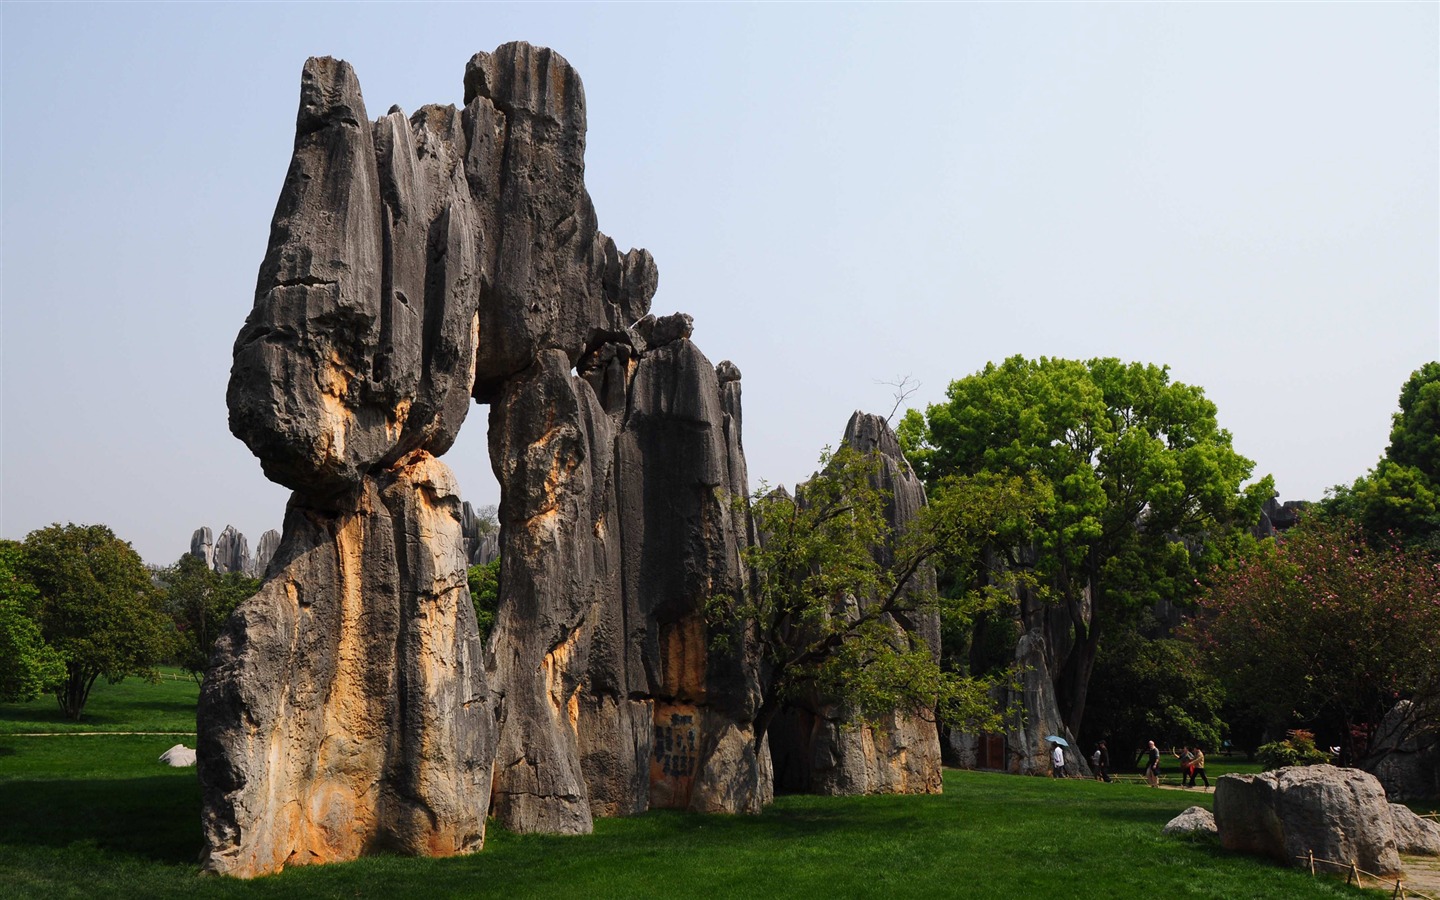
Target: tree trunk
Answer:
pixel 75 691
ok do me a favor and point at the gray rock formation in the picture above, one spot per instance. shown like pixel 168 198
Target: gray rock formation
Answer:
pixel 1414 834
pixel 264 552
pixel 1405 754
pixel 232 552
pixel 1337 814
pixel 1194 820
pixel 415 264
pixel 678 461
pixel 1277 518
pixel 202 546
pixel 482 536
pixel 819 747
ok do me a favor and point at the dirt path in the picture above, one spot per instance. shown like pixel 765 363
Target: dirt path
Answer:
pixel 1422 873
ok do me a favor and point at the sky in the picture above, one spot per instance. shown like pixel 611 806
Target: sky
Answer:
pixel 842 195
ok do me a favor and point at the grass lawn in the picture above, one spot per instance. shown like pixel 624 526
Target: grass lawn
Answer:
pixel 132 705
pixel 98 816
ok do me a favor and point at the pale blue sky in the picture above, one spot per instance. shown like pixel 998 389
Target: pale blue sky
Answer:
pixel 840 195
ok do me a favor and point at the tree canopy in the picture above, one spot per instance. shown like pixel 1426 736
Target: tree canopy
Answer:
pixel 1401 495
pixel 97 607
pixel 28 666
pixel 828 605
pixel 199 600
pixel 1142 490
pixel 1325 625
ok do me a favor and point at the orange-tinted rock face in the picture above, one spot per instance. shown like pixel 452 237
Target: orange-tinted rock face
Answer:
pixel 346 708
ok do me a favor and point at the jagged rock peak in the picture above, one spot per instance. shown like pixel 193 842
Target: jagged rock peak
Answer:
pixel 520 77
pixel 202 546
pixel 232 552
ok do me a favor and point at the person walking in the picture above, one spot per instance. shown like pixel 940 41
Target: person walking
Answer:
pixel 1187 766
pixel 1057 761
pixel 1197 768
pixel 1152 766
pixel 1100 762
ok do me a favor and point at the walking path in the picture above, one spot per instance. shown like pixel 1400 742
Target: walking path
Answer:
pixel 91 733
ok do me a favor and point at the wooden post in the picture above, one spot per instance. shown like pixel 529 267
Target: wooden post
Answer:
pixel 1312 863
pixel 1397 892
pixel 1355 872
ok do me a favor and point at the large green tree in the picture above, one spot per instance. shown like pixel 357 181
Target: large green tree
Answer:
pixel 826 607
pixel 98 607
pixel 28 666
pixel 1325 626
pixel 199 600
pixel 1143 491
pixel 1401 495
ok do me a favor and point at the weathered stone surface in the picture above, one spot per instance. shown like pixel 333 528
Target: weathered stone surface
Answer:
pixel 556 281
pixel 482 539
pixel 202 546
pixel 178 757
pixel 264 552
pixel 1194 820
pixel 551 446
pixel 1029 753
pixel 1337 814
pixel 345 707
pixel 1414 834
pixel 819 747
pixel 413 264
pixel 678 459
pixel 302 392
pixel 232 552
pixel 1405 754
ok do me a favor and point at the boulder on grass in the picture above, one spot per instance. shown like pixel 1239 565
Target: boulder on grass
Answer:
pixel 1337 814
pixel 1414 834
pixel 178 757
pixel 1195 820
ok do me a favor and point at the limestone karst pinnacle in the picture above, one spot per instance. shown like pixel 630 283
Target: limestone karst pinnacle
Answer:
pixel 415 264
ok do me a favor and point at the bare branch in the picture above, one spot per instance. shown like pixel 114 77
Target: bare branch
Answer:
pixel 904 387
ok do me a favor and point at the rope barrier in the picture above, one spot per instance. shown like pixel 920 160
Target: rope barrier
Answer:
pixel 1353 874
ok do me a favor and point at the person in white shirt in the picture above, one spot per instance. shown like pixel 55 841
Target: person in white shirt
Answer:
pixel 1057 762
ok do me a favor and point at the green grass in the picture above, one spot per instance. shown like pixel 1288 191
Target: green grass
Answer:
pixel 99 816
pixel 132 705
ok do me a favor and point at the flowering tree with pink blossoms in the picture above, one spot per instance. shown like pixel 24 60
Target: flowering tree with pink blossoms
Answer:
pixel 1324 624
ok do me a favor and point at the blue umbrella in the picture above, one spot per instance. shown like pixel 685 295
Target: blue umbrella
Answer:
pixel 1057 739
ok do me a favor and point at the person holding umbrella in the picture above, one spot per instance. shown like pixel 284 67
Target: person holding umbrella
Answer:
pixel 1057 755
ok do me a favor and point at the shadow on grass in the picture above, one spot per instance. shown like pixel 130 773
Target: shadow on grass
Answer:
pixel 153 818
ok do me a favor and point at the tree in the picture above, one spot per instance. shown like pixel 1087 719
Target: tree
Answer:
pixel 28 666
pixel 826 607
pixel 1157 690
pixel 485 594
pixel 1143 491
pixel 199 600
pixel 98 607
pixel 1401 495
pixel 1326 626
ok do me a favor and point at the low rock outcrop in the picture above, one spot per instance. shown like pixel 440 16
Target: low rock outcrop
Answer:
pixel 1288 814
pixel 1414 834
pixel 1194 820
